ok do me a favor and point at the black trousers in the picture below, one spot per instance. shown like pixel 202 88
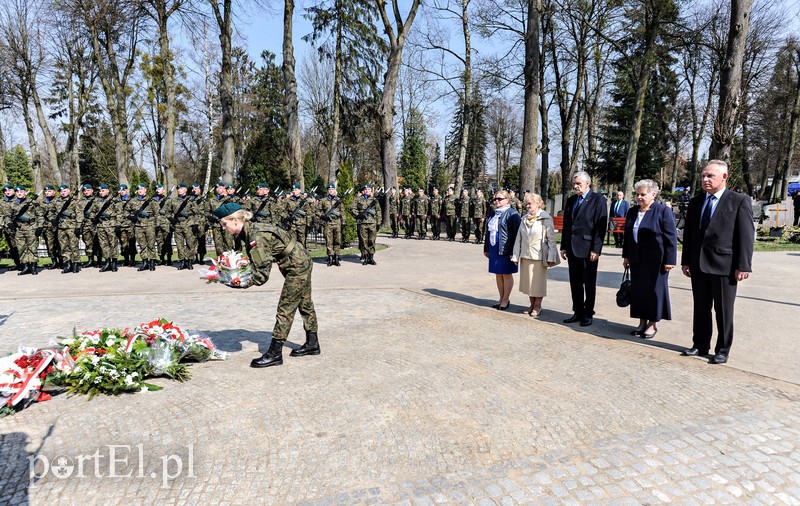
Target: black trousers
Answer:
pixel 582 284
pixel 720 292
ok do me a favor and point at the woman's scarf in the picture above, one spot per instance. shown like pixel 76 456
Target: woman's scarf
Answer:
pixel 494 224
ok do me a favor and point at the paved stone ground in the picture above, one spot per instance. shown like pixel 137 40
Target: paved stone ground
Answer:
pixel 422 395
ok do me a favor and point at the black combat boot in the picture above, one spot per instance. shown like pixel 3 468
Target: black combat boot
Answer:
pixel 34 268
pixel 67 267
pixel 363 259
pixel 152 265
pixel 106 266
pixel 114 267
pixel 145 265
pixel 189 264
pixel 336 260
pixel 76 267
pixel 372 259
pixel 182 265
pixel 273 356
pixel 311 347
pixel 26 269
pixel 330 261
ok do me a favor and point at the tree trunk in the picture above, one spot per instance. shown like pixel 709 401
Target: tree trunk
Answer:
pixel 730 81
pixel 466 104
pixel 745 145
pixel 294 153
pixel 226 89
pixel 168 76
pixel 530 121
pixel 386 109
pixel 333 163
pixel 36 160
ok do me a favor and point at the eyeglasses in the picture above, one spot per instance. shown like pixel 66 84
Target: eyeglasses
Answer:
pixel 499 198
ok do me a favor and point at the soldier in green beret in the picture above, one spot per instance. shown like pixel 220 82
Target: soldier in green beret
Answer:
pixel 419 207
pixel 163 227
pixel 143 212
pixel 26 220
pixel 332 218
pixel 88 231
pixel 450 213
pixel 406 214
pixel 266 243
pixel 295 213
pixel 5 224
pixel 50 225
pixel 478 214
pixel 104 216
pixel 69 219
pixel 127 240
pixel 223 241
pixel 464 214
pixel 200 225
pixel 367 211
pixel 181 213
pixel 435 214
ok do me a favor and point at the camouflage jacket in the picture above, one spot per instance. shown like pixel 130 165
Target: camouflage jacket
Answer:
pixel 265 244
pixel 334 217
pixel 104 212
pixel 66 212
pixel 420 205
pixel 368 208
pixel 25 215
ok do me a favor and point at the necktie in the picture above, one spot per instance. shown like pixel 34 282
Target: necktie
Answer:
pixel 707 213
pixel 577 205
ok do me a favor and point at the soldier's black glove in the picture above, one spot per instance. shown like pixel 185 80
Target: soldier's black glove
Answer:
pixel 117 229
pixel 195 229
pixel 38 232
pixel 78 231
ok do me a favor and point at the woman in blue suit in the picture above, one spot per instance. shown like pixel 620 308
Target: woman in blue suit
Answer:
pixel 650 250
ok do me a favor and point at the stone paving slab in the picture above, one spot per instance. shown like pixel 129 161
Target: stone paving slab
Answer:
pixel 430 401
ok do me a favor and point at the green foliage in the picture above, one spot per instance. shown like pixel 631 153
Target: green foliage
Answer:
pixel 345 184
pixel 18 167
pixel 439 176
pixel 475 160
pixel 97 159
pixel 413 158
pixel 511 177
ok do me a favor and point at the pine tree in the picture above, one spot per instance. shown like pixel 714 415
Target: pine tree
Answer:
pixel 18 167
pixel 439 177
pixel 413 159
pixel 475 162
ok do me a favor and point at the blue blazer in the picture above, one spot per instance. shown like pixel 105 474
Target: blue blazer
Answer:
pixel 584 232
pixel 622 211
pixel 658 237
pixel 507 230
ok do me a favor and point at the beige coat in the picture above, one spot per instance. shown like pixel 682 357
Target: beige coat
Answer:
pixel 537 242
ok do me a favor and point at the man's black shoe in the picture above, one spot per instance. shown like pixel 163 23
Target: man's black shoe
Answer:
pixel 693 352
pixel 719 358
pixel 585 322
pixel 574 318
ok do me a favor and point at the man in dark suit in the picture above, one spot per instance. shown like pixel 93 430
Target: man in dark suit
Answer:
pixel 619 209
pixel 585 223
pixel 717 254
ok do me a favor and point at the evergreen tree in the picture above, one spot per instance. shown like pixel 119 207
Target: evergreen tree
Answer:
pixel 511 178
pixel 97 159
pixel 18 167
pixel 439 177
pixel 475 162
pixel 413 159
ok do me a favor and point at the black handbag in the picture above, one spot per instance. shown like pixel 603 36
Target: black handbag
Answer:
pixel 624 292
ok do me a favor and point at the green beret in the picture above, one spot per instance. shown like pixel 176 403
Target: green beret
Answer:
pixel 87 186
pixel 220 184
pixel 229 186
pixel 226 209
pixel 19 187
pixel 159 185
pixel 195 185
pixel 141 185
pixel 182 185
pixel 296 185
pixel 60 187
pixel 365 186
pixel 103 186
pixel 331 185
pixel 123 187
pixel 8 187
pixel 51 187
pixel 262 185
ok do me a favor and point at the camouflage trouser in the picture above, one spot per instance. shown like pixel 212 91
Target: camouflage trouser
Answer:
pixel 185 240
pixel 333 238
pixel 200 239
pixel 89 235
pixel 299 232
pixel 409 225
pixel 164 241
pixel 295 296
pixel 50 236
pixel 465 228
pixel 421 225
pixel 107 240
pixel 436 226
pixel 395 224
pixel 450 225
pixel 478 222
pixel 127 243
pixel 146 239
pixel 223 241
pixel 68 244
pixel 366 235
pixel 12 245
pixel 26 242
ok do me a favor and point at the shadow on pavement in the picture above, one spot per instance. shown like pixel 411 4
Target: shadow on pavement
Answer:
pixel 475 301
pixel 4 318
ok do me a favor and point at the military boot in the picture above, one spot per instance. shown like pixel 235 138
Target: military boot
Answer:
pixel 330 260
pixel 182 265
pixel 311 347
pixel 336 260
pixel 152 265
pixel 67 267
pixel 189 265
pixel 76 267
pixel 34 269
pixel 26 269
pixel 114 267
pixel 371 260
pixel 273 356
pixel 145 265
pixel 106 266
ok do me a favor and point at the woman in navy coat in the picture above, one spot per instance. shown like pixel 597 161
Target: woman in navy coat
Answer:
pixel 650 250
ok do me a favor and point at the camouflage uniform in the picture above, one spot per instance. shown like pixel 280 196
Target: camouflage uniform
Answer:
pixel 394 204
pixel 26 220
pixel 450 213
pixel 367 212
pixel 6 229
pixel 478 214
pixel 69 219
pixel 262 209
pixel 200 225
pixel 127 241
pixel 144 212
pixel 223 241
pixel 88 232
pixel 163 230
pixel 406 214
pixel 104 215
pixel 181 214
pixel 332 217
pixel 434 216
pixel 50 227
pixel 420 209
pixel 463 216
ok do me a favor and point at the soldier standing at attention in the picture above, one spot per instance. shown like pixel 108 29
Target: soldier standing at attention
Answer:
pixel 163 227
pixel 421 213
pixel 180 212
pixel 450 213
pixel 394 204
pixel 143 212
pixel 104 216
pixel 26 220
pixel 5 224
pixel 406 212
pixel 261 205
pixel 69 220
pixel 230 190
pixel 50 228
pixel 294 214
pixel 223 241
pixel 464 214
pixel 435 213
pixel 478 214
pixel 332 218
pixel 265 244
pixel 514 202
pixel 367 212
pixel 200 225
pixel 127 241
pixel 88 232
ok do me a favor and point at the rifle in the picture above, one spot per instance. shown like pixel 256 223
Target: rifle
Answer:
pixel 259 214
pixel 64 210
pixel 368 211
pixel 138 214
pixel 327 216
pixel 287 223
pixel 99 216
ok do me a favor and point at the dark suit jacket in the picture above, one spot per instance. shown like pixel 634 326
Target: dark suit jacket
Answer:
pixel 622 212
pixel 728 242
pixel 507 230
pixel 584 232
pixel 658 239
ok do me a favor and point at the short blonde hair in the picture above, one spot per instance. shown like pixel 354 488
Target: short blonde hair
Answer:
pixel 535 199
pixel 503 193
pixel 242 214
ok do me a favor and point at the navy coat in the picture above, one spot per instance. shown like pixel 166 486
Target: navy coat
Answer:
pixel 584 232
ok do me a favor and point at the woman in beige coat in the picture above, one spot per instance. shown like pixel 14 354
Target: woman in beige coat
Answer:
pixel 535 249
